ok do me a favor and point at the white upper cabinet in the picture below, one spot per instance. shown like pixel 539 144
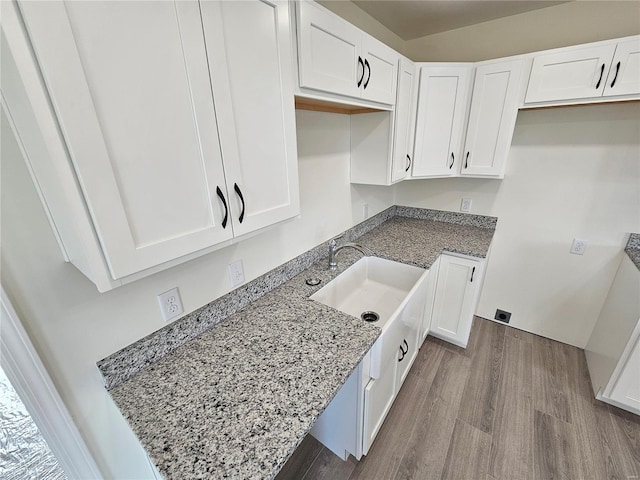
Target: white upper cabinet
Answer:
pixel 254 103
pixel 583 72
pixel 338 58
pixel 443 97
pixel 403 114
pixel 624 74
pixel 492 118
pixel 179 123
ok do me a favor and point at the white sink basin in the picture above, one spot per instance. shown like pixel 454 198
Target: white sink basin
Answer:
pixel 370 284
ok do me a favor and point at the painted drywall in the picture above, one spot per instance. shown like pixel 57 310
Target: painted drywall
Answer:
pixel 361 19
pixel 562 25
pixel 73 326
pixel 571 172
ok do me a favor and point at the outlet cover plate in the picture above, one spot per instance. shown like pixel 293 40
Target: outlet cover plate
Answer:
pixel 578 246
pixel 170 304
pixel 465 205
pixel 236 273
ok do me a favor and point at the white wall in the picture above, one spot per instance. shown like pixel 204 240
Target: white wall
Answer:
pixel 571 172
pixel 73 326
pixel 566 24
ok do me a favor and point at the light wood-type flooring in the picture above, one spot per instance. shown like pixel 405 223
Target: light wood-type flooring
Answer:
pixel 512 406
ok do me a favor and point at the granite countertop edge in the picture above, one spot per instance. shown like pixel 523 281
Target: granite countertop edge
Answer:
pixel 633 249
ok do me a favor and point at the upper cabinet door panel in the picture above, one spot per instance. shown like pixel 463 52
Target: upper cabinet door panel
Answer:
pixel 578 73
pixel 442 104
pixel 494 108
pixel 624 74
pixel 401 161
pixel 381 64
pixel 254 103
pixel 328 51
pixel 130 85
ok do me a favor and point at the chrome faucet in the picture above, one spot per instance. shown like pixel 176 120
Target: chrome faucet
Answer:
pixel 334 249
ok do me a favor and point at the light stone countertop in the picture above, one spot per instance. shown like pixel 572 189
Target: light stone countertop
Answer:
pixel 237 400
pixel 633 249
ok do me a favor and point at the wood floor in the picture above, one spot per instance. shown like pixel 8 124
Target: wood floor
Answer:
pixel 511 406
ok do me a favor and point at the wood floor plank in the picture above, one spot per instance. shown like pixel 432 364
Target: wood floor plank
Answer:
pixel 479 397
pixel 555 449
pixel 328 466
pixel 389 447
pixel 301 460
pixel 468 455
pixel 597 443
pixel 519 334
pixel 550 381
pixel 511 454
pixel 627 429
pixel 427 448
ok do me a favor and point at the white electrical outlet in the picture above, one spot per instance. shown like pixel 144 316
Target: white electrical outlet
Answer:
pixel 578 247
pixel 465 205
pixel 236 273
pixel 365 211
pixel 170 304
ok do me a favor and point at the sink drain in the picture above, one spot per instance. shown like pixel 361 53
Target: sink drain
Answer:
pixel 370 316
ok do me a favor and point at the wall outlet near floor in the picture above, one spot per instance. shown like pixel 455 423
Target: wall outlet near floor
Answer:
pixel 465 205
pixel 170 304
pixel 365 211
pixel 579 247
pixel 236 273
pixel 502 316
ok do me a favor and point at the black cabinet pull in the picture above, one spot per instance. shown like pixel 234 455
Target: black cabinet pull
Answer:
pixel 360 62
pixel 237 189
pixel 402 357
pixel 406 346
pixel 404 352
pixel 366 64
pixel 600 79
pixel 226 210
pixel 408 164
pixel 453 159
pixel 466 161
pixel 615 77
pixel 473 271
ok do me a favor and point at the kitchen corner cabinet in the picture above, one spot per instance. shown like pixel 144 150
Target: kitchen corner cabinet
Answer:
pixel 338 58
pixel 456 296
pixel 613 350
pixel 442 123
pixel 601 70
pixel 177 145
pixel 443 97
pixel 492 118
pixel 381 141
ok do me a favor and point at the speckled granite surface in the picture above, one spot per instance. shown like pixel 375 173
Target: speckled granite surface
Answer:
pixel 236 400
pixel 633 248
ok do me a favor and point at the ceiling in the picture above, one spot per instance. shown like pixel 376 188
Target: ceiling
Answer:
pixel 411 19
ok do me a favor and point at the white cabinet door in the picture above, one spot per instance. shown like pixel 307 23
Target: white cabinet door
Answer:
pixel 492 119
pixel 624 74
pixel 381 63
pixel 456 295
pixel 442 106
pixel 378 398
pixel 134 102
pixel 626 390
pixel 575 73
pixel 411 322
pixel 401 160
pixel 328 52
pixel 254 102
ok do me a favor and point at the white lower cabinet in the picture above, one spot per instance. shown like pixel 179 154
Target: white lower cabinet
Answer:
pixel 456 296
pixel 613 350
pixel 178 120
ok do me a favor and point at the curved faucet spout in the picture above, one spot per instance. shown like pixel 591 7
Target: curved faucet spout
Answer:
pixel 334 249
